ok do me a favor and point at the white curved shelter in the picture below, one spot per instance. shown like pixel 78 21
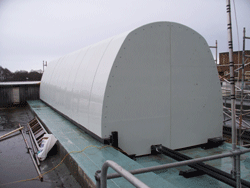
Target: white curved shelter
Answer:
pixel 157 84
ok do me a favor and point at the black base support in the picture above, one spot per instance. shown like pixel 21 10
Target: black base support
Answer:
pixel 114 139
pixel 213 143
pixel 191 173
pixel 207 169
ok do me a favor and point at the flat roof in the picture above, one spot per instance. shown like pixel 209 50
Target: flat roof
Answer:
pixel 92 159
pixel 20 83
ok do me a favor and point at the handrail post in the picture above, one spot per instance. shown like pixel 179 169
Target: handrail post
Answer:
pixel 104 172
pixel 238 180
pixel 97 178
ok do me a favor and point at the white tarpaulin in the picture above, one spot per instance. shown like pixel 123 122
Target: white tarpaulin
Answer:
pixel 48 141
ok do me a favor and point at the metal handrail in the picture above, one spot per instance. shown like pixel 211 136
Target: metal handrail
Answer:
pixel 102 176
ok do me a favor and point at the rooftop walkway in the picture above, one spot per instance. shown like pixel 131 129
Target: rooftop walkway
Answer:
pixel 95 154
pixel 225 164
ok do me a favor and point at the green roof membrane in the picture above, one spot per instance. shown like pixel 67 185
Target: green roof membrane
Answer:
pixel 91 159
pixel 172 175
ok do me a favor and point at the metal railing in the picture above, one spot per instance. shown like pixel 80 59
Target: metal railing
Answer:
pixel 102 176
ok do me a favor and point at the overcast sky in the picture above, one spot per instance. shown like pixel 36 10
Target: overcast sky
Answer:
pixel 32 31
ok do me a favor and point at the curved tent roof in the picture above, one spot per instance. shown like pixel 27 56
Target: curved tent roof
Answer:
pixel 157 84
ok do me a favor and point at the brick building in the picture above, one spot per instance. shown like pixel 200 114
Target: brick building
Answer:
pixel 223 67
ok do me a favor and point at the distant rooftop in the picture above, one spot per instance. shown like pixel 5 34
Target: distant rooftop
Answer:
pixel 20 83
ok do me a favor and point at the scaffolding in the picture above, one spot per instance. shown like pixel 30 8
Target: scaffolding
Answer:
pixel 216 51
pixel 242 95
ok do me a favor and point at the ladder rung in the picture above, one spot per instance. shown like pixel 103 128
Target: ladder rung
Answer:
pixel 32 121
pixel 36 127
pixel 37 131
pixel 39 141
pixel 39 134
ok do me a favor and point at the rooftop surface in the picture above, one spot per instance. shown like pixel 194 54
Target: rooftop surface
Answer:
pixel 15 162
pixel 93 154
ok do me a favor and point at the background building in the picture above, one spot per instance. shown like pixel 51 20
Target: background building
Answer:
pixel 223 67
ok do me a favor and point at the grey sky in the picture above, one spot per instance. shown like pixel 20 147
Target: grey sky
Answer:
pixel 32 31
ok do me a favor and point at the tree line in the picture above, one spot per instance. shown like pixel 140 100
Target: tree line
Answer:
pixel 7 76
